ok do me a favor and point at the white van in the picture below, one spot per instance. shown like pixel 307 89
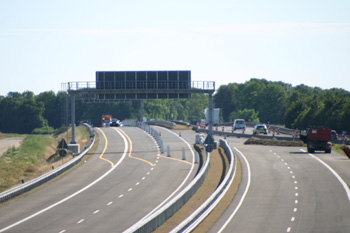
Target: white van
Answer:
pixel 239 124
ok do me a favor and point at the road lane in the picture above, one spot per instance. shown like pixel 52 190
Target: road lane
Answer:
pixel 290 192
pixel 113 204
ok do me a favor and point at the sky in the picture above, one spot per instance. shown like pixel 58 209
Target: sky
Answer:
pixel 46 43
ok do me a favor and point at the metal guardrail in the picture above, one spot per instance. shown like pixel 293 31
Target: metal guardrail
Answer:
pixel 20 189
pixel 153 221
pixel 142 85
pixel 190 223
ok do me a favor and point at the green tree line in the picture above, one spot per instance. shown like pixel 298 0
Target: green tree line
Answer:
pixel 26 112
pixel 256 100
pixel 299 107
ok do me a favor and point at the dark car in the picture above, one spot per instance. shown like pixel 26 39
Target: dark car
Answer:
pixel 115 122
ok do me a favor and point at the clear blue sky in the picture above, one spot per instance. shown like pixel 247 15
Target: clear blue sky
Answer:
pixel 46 43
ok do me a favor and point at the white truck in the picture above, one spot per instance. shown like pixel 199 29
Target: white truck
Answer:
pixel 216 113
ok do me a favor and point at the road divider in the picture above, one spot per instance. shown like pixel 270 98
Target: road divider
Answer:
pixel 191 222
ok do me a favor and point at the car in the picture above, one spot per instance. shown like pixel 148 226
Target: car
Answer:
pixel 239 124
pixel 115 122
pixel 260 129
pixel 334 134
pixel 106 123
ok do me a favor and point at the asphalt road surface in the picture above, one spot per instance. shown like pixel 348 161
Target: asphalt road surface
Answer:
pixel 285 189
pixel 123 181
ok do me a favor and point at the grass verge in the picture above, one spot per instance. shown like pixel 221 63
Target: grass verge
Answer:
pixel 36 156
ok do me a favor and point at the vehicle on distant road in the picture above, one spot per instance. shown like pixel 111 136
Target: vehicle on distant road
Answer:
pixel 115 122
pixel 216 113
pixel 106 120
pixel 260 129
pixel 334 134
pixel 239 124
pixel 106 123
pixel 317 139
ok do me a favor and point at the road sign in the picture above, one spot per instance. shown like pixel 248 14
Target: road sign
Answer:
pixel 62 152
pixel 62 144
pixel 209 140
pixel 209 143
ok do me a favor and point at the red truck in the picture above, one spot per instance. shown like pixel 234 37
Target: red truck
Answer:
pixel 317 139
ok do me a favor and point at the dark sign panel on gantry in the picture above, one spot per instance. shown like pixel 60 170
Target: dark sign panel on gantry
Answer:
pixel 111 86
pixel 144 84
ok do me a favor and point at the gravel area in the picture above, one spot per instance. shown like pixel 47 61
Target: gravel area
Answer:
pixel 7 143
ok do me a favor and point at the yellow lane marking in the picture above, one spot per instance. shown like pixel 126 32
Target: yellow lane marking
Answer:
pixel 104 149
pixel 180 160
pixel 130 156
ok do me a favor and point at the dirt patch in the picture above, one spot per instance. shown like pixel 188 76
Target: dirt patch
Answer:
pixel 182 127
pixel 7 143
pixel 273 142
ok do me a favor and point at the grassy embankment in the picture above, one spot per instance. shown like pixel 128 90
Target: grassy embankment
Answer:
pixel 36 156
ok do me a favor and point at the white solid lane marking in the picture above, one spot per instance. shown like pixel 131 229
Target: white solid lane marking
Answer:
pixel 342 182
pixel 76 193
pixel 244 194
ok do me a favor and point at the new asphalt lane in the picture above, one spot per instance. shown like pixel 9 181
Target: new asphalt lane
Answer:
pixel 122 182
pixel 288 191
pixel 285 190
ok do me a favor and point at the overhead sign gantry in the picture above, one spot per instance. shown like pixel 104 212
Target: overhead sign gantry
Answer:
pixel 116 86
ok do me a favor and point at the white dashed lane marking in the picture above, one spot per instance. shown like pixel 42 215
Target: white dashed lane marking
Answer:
pixel 80 221
pixel 96 211
pixel 296 201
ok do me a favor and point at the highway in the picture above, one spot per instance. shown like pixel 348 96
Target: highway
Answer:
pixel 123 181
pixel 285 189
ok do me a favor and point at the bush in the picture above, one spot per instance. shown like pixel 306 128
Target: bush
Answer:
pixel 61 130
pixel 43 130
